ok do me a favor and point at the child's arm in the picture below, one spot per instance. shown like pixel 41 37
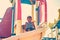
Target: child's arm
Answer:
pixel 25 25
pixel 33 24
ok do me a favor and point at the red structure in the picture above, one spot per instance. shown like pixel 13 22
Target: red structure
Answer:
pixel 5 25
pixel 19 10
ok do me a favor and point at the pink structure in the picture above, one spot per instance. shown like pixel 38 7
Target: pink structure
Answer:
pixel 43 2
pixel 5 25
pixel 19 11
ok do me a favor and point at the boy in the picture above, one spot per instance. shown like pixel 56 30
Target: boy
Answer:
pixel 29 25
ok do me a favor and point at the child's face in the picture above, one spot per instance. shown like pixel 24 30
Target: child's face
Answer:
pixel 29 19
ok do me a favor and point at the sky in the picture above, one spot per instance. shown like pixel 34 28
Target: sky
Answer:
pixel 4 4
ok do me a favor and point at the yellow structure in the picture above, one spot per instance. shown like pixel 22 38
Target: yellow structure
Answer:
pixel 59 14
pixel 19 20
pixel 32 12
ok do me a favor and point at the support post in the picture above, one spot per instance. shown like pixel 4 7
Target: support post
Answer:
pixel 19 17
pixel 13 15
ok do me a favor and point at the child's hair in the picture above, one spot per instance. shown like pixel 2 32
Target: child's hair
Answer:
pixel 29 17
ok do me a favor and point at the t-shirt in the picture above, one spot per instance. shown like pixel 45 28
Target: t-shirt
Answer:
pixel 29 25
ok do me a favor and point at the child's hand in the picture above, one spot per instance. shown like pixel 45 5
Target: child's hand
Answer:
pixel 33 21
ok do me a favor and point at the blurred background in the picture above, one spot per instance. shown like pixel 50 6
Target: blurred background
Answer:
pixel 52 10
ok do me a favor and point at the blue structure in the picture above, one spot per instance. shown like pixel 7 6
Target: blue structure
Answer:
pixel 13 18
pixel 57 25
pixel 28 1
pixel 47 38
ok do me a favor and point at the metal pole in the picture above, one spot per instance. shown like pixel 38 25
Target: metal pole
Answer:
pixel 32 12
pixel 36 13
pixel 13 15
pixel 32 9
pixel 59 14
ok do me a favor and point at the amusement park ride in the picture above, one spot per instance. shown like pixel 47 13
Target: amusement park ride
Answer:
pixel 9 19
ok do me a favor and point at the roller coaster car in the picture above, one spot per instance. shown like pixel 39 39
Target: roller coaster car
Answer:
pixel 5 24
